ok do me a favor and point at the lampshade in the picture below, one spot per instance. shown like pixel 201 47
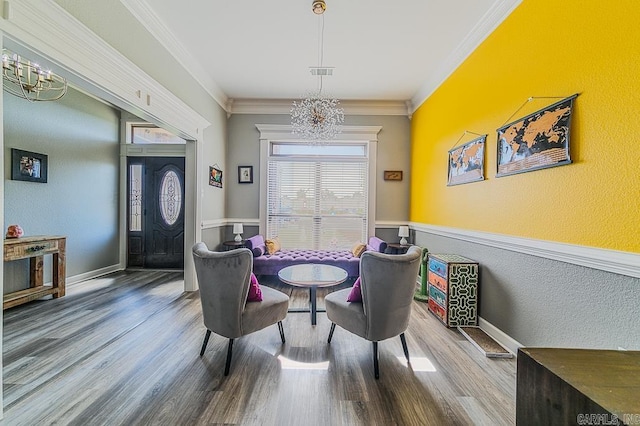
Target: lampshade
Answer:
pixel 237 228
pixel 403 231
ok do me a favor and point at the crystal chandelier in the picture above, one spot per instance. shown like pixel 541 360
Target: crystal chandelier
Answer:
pixel 29 81
pixel 317 117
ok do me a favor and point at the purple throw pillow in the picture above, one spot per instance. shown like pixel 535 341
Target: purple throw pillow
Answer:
pixel 355 295
pixel 258 251
pixel 255 294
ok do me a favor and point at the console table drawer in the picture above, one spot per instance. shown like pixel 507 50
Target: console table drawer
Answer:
pixel 15 252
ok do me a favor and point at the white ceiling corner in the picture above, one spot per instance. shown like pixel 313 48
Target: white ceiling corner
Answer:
pixel 388 56
pixel 147 17
pixel 498 12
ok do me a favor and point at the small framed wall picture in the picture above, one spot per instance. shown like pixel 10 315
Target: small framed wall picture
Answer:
pixel 29 166
pixel 393 175
pixel 215 176
pixel 245 174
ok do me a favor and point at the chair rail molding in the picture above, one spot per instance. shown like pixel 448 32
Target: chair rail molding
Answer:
pixel 45 28
pixel 618 262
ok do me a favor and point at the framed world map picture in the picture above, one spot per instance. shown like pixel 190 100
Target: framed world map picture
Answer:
pixel 466 162
pixel 537 141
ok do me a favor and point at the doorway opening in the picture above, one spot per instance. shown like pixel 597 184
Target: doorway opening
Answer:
pixel 155 212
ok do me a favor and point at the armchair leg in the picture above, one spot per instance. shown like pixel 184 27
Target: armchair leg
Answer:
pixel 376 370
pixel 281 329
pixel 228 363
pixel 206 340
pixel 333 328
pixel 404 346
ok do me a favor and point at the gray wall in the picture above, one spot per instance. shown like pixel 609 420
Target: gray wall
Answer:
pixel 394 153
pixel 113 22
pixel 543 302
pixel 80 135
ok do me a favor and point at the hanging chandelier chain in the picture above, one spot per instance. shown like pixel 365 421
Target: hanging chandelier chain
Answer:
pixel 320 49
pixel 316 117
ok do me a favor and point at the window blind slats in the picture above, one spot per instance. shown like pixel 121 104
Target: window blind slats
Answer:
pixel 317 204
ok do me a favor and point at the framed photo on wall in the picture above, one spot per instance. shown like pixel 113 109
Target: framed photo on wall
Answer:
pixel 245 174
pixel 28 166
pixel 392 175
pixel 215 177
pixel 466 162
pixel 537 141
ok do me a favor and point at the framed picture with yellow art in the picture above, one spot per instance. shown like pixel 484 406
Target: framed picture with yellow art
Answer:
pixel 392 175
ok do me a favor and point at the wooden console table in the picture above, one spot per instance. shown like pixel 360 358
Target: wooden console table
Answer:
pixel 34 249
pixel 577 386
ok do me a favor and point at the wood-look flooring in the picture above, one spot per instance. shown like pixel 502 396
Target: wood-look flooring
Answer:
pixel 124 350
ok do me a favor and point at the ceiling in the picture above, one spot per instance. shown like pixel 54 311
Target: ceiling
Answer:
pixel 397 50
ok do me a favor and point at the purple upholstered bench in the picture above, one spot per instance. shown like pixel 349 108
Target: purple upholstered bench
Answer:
pixel 270 264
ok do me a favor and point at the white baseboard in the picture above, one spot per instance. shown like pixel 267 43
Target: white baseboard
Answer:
pixel 499 336
pixel 75 279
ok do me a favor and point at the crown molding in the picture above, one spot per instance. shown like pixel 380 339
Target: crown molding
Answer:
pixel 283 106
pixel 498 12
pixel 141 10
pixel 45 28
pixel 618 262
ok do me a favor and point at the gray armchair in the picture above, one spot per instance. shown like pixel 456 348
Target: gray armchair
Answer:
pixel 223 278
pixel 388 283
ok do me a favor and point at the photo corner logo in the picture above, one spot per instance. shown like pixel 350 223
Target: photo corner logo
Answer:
pixel 608 419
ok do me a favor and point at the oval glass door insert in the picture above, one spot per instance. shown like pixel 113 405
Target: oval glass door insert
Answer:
pixel 170 197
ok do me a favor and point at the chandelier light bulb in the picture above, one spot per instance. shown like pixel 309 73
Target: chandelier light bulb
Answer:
pixel 34 83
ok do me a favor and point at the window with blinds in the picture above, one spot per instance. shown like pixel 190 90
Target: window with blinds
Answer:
pixel 317 196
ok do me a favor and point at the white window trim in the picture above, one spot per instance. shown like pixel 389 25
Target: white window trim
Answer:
pixel 282 133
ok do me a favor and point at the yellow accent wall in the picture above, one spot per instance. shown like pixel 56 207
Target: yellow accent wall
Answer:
pixel 544 48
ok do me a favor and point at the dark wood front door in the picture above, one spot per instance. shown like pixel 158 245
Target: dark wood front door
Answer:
pixel 156 212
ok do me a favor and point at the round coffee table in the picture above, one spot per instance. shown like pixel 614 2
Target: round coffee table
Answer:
pixel 312 275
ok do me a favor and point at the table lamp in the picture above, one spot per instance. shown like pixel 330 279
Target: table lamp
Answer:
pixel 403 232
pixel 237 229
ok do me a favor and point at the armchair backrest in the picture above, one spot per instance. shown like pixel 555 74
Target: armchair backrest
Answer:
pixel 223 278
pixel 388 283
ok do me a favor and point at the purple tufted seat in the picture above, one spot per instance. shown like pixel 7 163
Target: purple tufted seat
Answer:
pixel 270 264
